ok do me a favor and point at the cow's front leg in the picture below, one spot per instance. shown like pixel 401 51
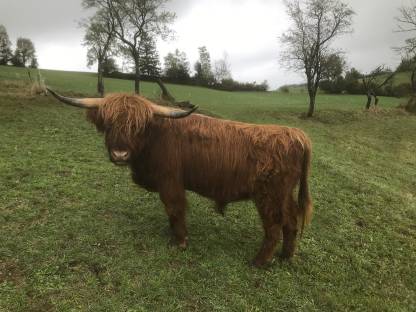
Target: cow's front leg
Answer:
pixel 175 205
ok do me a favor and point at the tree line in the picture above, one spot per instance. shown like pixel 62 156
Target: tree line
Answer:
pixel 24 54
pixel 218 76
pixel 177 69
pixel 339 79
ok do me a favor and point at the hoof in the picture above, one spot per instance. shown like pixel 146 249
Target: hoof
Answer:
pixel 182 245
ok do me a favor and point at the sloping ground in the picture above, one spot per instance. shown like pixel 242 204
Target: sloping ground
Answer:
pixel 77 234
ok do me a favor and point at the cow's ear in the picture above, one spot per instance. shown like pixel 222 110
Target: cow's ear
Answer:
pixel 96 118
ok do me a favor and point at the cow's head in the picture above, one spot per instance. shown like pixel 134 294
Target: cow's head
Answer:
pixel 123 119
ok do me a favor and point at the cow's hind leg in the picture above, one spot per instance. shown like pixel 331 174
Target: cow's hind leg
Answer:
pixel 271 218
pixel 290 230
pixel 175 206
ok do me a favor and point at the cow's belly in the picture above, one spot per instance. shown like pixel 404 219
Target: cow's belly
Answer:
pixel 220 195
pixel 221 186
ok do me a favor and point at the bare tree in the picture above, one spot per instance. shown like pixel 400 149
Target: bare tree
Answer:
pixel 99 39
pixel 307 43
pixel 407 23
pixel 407 18
pixel 372 83
pixel 132 21
pixel 222 69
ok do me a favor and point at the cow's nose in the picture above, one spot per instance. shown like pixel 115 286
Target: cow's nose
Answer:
pixel 120 155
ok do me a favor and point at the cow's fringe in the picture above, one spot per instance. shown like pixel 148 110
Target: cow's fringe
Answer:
pixel 126 114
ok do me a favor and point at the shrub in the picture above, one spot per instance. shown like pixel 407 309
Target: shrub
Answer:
pixel 284 89
pixel 333 86
pixel 402 90
pixel 354 87
pixel 232 85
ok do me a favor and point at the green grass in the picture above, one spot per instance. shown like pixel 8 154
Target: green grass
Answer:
pixel 78 235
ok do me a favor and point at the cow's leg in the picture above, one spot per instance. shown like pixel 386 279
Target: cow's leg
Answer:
pixel 269 210
pixel 271 237
pixel 290 230
pixel 220 207
pixel 175 205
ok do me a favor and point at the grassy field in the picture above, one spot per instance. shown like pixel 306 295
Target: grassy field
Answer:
pixel 78 235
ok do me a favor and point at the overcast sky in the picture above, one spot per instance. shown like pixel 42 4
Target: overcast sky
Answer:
pixel 247 30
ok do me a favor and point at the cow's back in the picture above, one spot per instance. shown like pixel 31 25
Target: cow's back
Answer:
pixel 220 159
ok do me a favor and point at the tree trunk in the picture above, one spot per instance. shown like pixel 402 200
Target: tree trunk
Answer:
pixel 30 76
pixel 100 82
pixel 412 79
pixel 312 97
pixel 165 93
pixel 137 75
pixel 367 106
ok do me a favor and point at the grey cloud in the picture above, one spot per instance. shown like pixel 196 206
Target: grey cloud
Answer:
pixel 42 19
pixel 181 7
pixel 255 59
pixel 374 35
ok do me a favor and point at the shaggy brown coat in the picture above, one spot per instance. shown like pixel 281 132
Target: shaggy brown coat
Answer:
pixel 223 160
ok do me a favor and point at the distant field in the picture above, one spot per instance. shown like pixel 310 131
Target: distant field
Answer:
pixel 227 104
pixel 401 78
pixel 78 235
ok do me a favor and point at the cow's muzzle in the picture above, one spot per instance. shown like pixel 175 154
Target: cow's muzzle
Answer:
pixel 120 157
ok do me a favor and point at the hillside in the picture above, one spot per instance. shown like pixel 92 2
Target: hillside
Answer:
pixel 219 102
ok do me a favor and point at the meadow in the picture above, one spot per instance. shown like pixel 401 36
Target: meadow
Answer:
pixel 78 235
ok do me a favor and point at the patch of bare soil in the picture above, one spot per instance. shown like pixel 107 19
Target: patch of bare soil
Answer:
pixel 10 271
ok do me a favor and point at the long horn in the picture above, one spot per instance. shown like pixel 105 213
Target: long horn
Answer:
pixel 171 112
pixel 83 103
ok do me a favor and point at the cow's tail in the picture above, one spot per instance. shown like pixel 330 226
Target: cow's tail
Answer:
pixel 304 197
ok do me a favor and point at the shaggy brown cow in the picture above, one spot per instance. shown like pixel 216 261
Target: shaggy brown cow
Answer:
pixel 223 160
